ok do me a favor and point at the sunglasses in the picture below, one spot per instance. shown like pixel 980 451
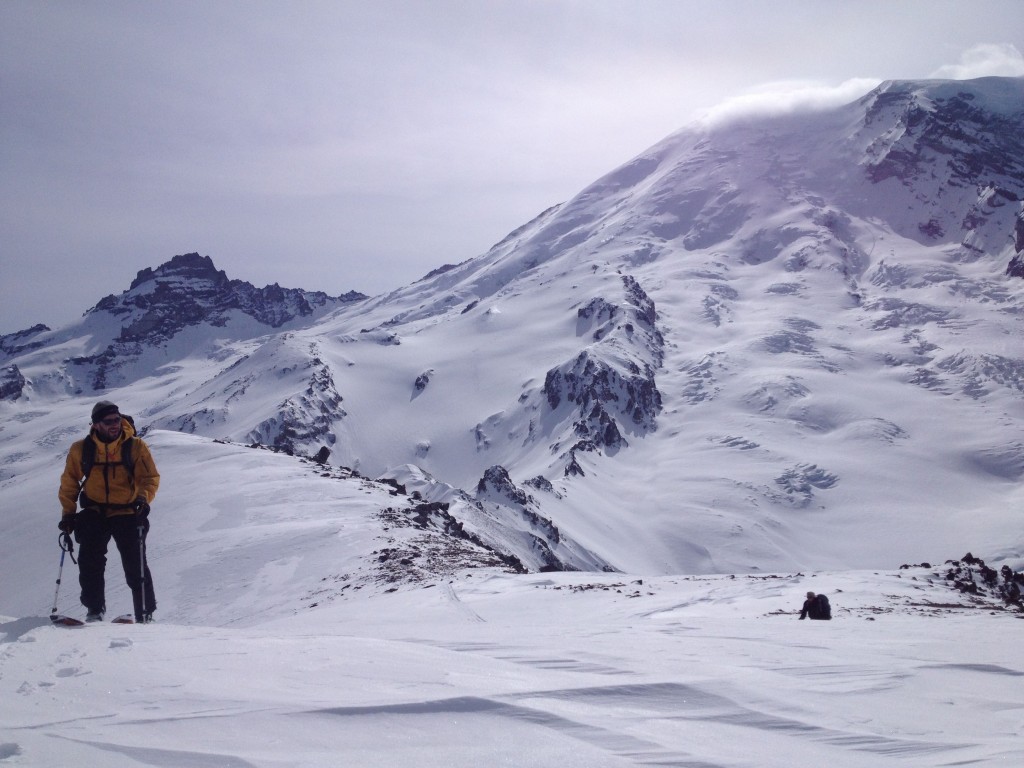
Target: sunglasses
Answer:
pixel 111 421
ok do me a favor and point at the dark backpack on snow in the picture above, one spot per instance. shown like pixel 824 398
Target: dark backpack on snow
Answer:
pixel 820 608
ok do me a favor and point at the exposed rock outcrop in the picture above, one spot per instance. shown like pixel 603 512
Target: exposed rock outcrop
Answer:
pixel 611 383
pixel 12 383
pixel 304 418
pixel 20 342
pixel 186 292
pixel 189 289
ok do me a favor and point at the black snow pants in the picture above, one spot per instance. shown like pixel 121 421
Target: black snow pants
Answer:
pixel 93 531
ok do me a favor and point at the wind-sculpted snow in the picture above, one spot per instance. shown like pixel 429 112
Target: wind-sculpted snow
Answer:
pixel 769 395
pixel 575 669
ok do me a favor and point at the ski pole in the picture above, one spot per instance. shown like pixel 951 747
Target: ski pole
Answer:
pixel 142 569
pixel 66 546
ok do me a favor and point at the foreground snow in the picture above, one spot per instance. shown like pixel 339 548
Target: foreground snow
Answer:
pixel 301 622
pixel 561 670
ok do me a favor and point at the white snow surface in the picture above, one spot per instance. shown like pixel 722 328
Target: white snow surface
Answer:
pixel 279 643
pixel 841 395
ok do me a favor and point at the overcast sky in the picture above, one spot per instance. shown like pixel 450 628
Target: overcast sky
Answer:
pixel 340 145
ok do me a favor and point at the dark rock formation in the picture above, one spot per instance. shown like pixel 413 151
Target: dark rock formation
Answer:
pixel 1016 265
pixel 185 292
pixel 611 384
pixel 305 418
pixel 189 290
pixel 444 548
pixel 422 381
pixel 21 341
pixel 946 132
pixel 970 575
pixel 12 383
pixel 541 483
pixel 496 481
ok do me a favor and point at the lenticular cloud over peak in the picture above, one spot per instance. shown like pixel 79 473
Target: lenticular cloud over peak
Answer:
pixel 785 97
pixel 986 60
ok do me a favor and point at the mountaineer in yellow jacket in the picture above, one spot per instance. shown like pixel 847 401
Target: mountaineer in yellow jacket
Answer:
pixel 112 475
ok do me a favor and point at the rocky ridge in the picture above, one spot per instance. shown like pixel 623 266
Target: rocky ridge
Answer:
pixel 189 289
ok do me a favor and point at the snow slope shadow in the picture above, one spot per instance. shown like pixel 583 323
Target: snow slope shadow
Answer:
pixel 11 631
pixel 168 758
pixel 688 710
pixel 470 706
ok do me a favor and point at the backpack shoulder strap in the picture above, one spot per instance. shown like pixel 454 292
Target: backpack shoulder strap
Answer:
pixel 88 456
pixel 126 456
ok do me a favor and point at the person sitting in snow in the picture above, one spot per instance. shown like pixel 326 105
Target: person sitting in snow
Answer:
pixel 112 475
pixel 816 607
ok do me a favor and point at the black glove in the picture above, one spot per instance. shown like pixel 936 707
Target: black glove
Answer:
pixel 142 508
pixel 67 524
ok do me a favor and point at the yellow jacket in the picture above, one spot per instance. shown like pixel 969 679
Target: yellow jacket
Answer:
pixel 108 485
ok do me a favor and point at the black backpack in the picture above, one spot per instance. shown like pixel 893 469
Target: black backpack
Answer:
pixel 821 608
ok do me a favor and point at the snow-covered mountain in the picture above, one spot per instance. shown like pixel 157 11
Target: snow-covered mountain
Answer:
pixel 765 356
pixel 777 342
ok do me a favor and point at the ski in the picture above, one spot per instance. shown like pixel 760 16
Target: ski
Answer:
pixel 61 620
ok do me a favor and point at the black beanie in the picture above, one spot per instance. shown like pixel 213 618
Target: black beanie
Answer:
pixel 103 408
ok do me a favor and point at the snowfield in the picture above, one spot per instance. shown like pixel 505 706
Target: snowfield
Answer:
pixel 537 670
